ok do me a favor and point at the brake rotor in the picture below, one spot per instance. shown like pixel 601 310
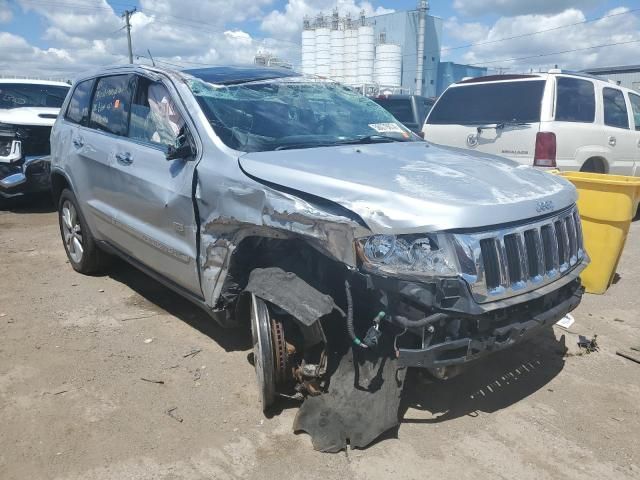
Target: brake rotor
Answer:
pixel 280 351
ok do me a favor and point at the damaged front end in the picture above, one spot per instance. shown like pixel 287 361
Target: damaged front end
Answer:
pixel 340 337
pixel 24 159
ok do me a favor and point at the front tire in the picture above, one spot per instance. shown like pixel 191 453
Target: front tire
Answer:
pixel 263 357
pixel 83 253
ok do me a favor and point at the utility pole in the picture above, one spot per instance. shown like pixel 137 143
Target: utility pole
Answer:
pixel 127 15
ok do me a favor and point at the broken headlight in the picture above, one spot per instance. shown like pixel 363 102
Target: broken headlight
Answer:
pixel 415 255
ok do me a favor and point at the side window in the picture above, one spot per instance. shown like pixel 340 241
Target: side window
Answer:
pixel 111 103
pixel 615 108
pixel 635 109
pixel 155 118
pixel 78 109
pixel 575 100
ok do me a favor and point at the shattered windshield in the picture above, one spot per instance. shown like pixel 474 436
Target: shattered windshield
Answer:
pixel 17 95
pixel 294 113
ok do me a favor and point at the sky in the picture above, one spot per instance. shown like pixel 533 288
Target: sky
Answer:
pixel 58 38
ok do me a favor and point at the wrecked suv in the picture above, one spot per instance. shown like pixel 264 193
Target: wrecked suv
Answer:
pixel 28 109
pixel 297 208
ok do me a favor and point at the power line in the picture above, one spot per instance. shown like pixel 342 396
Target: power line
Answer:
pixel 504 39
pixel 555 53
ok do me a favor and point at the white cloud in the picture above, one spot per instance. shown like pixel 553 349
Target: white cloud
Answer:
pixel 509 8
pixel 615 29
pixel 87 19
pixel 287 23
pixel 213 12
pixel 5 12
pixel 91 34
pixel 465 32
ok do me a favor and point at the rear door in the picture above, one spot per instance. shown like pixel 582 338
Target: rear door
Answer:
pixel 621 140
pixel 153 195
pixel 578 135
pixel 634 101
pixel 501 118
pixel 87 149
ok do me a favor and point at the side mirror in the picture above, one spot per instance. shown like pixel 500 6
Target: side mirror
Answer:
pixel 181 149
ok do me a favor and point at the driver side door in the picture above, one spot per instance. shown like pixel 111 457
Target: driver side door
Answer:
pixel 155 214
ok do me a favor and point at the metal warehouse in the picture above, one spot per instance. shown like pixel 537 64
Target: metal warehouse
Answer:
pixel 625 76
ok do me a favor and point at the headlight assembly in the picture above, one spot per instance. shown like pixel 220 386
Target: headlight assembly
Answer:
pixel 414 255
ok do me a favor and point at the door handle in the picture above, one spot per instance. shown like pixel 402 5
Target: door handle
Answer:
pixel 612 140
pixel 78 142
pixel 124 158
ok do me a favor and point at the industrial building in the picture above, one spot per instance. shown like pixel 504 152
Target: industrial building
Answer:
pixel 397 52
pixel 450 72
pixel 625 76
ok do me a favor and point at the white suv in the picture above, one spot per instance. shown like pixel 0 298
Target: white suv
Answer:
pixel 557 119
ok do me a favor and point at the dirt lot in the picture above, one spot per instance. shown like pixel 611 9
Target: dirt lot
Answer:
pixel 73 405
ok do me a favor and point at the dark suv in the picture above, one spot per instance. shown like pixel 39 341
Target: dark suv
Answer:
pixel 411 110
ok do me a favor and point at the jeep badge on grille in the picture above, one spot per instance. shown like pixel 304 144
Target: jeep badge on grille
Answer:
pixel 546 206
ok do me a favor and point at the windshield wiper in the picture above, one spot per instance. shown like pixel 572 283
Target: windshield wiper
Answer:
pixel 369 139
pixel 349 141
pixel 293 146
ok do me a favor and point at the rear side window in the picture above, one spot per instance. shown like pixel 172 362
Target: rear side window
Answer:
pixel 575 100
pixel 635 109
pixel 111 104
pixel 615 108
pixel 490 103
pixel 78 109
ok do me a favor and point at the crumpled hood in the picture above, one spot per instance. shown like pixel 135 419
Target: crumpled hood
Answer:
pixel 414 186
pixel 40 116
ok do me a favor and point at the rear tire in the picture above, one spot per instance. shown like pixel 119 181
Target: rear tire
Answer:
pixel 83 253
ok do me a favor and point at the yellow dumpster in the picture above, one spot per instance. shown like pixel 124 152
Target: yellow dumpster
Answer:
pixel 607 204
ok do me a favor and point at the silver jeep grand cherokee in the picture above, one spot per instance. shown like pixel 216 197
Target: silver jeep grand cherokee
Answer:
pixel 297 207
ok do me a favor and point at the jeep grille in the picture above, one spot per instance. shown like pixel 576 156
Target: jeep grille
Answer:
pixel 517 259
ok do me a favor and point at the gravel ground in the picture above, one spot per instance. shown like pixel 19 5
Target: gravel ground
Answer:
pixel 73 405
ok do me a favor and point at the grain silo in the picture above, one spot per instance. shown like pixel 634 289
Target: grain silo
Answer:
pixel 350 53
pixel 336 69
pixel 308 49
pixel 388 63
pixel 366 52
pixel 323 48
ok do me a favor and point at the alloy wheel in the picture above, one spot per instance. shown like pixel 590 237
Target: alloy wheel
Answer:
pixel 72 231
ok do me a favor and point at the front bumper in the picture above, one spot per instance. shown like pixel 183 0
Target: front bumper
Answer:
pixel 523 322
pixel 30 175
pixel 470 329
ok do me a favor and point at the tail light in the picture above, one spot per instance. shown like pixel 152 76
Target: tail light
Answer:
pixel 545 155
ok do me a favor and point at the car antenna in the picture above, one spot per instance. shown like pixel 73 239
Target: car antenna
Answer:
pixel 151 57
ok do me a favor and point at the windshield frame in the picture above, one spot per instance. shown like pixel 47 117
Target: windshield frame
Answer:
pixel 207 98
pixel 12 90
